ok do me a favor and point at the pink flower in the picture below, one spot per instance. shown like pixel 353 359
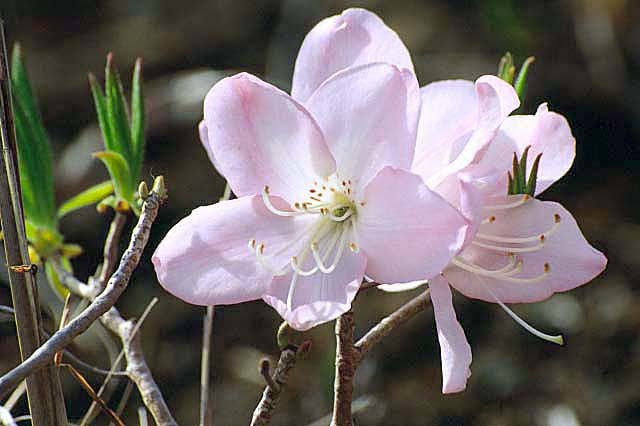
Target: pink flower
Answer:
pixel 518 249
pixel 323 197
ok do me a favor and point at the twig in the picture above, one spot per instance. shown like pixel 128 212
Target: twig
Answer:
pixel 137 367
pixel 110 253
pixel 101 304
pixel 142 416
pixel 206 418
pixel 44 392
pixel 345 370
pixel 362 403
pixel 15 396
pixel 276 382
pixel 390 323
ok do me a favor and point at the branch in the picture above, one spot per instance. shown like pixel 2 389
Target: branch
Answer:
pixel 46 403
pixel 389 324
pixel 110 253
pixel 345 370
pixel 137 368
pixel 276 382
pixel 116 285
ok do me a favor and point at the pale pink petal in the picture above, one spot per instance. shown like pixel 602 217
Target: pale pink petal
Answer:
pixel 547 133
pixel 496 99
pixel 260 136
pixel 355 37
pixel 449 114
pixel 204 138
pixel 455 352
pixel 570 260
pixel 205 258
pixel 407 231
pixel 369 116
pixel 318 298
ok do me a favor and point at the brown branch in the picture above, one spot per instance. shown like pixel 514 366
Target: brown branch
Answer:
pixel 110 252
pixel 44 391
pixel 389 324
pixel 116 285
pixel 345 370
pixel 276 382
pixel 137 367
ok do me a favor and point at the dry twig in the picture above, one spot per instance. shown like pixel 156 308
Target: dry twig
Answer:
pixel 345 370
pixel 276 382
pixel 116 285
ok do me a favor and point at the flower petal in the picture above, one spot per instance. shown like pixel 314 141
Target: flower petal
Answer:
pixel 260 136
pixel 455 351
pixel 318 298
pixel 407 231
pixel 570 260
pixel 369 116
pixel 496 99
pixel 204 138
pixel 547 133
pixel 449 114
pixel 205 259
pixel 355 37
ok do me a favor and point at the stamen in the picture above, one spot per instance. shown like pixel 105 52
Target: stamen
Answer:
pixel 504 276
pixel 336 258
pixel 252 244
pixel 558 339
pixel 516 240
pixel 273 209
pixel 503 249
pixel 518 203
pixel 354 247
pixel 298 270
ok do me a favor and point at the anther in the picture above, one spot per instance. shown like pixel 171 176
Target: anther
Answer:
pixel 266 189
pixel 492 219
pixel 546 268
pixel 261 249
pixel 312 190
pixel 252 244
pixel 556 218
pixel 354 247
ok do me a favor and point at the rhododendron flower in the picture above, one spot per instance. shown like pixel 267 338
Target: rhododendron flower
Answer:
pixel 518 249
pixel 323 197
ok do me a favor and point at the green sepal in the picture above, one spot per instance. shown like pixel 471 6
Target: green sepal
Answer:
pixel 54 280
pixel 101 110
pixel 34 153
pixel 120 173
pixel 137 120
pixel 533 177
pixel 86 198
pixel 506 69
pixel 521 79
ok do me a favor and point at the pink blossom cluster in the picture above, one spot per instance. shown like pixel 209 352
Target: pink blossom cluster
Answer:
pixel 361 174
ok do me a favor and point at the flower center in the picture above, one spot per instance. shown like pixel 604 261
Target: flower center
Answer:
pixel 325 239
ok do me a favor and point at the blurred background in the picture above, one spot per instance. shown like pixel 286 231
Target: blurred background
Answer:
pixel 587 67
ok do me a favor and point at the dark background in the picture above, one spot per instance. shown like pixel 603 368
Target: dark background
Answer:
pixel 587 68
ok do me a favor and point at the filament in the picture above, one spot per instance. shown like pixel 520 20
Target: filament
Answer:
pixel 515 204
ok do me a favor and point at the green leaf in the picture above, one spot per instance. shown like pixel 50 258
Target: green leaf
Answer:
pixel 87 197
pixel 520 83
pixel 34 153
pixel 54 281
pixel 101 109
pixel 117 114
pixel 120 173
pixel 137 120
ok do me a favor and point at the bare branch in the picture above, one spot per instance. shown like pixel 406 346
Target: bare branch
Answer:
pixel 389 324
pixel 137 367
pixel 276 382
pixel 206 418
pixel 345 370
pixel 110 252
pixel 116 285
